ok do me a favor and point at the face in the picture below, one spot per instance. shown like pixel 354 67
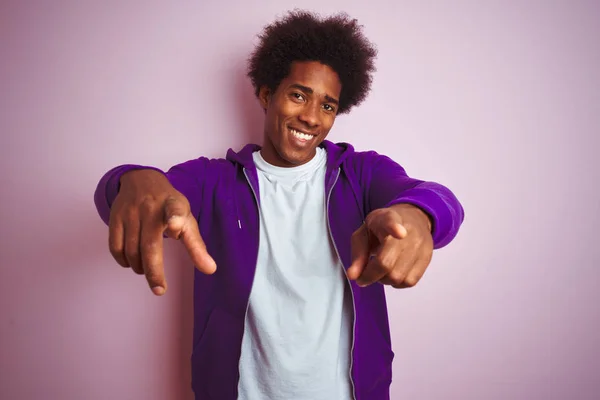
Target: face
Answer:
pixel 300 113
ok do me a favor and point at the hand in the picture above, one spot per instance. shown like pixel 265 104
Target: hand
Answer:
pixel 147 207
pixel 394 246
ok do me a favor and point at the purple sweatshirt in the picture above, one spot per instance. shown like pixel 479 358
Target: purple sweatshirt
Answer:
pixel 224 197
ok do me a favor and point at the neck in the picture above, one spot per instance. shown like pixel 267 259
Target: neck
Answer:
pixel 272 156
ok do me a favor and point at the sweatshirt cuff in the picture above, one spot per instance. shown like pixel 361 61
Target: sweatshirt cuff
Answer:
pixel 444 223
pixel 109 186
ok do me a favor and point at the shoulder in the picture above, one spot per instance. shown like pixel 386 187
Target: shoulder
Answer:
pixel 204 163
pixel 344 154
pixel 203 169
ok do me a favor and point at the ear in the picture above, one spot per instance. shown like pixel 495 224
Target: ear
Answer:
pixel 264 96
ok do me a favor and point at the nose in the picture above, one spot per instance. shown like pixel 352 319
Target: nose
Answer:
pixel 310 115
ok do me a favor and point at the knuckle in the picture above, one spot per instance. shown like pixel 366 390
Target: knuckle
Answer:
pixel 397 279
pixel 410 281
pixel 384 263
pixel 131 244
pixel 115 249
pixel 153 276
pixel 117 254
pixel 150 247
pixel 417 239
pixel 177 202
pixel 185 202
pixel 148 206
pixel 129 216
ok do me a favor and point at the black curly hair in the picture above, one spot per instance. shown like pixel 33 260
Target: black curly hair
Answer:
pixel 336 41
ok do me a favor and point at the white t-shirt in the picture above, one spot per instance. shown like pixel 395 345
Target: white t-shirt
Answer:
pixel 298 326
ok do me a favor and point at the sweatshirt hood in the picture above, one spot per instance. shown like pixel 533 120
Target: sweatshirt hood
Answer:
pixel 336 154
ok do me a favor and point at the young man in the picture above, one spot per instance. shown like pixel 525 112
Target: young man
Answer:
pixel 293 241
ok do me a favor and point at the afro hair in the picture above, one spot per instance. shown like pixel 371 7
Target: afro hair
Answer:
pixel 336 41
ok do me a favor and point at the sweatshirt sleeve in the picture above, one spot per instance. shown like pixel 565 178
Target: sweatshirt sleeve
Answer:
pixel 185 177
pixel 388 184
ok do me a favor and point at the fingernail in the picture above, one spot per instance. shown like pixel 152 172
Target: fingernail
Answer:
pixel 158 290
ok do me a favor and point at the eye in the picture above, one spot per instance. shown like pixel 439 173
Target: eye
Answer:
pixel 297 96
pixel 328 107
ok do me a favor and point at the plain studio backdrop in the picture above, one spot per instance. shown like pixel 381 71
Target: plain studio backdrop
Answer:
pixel 498 100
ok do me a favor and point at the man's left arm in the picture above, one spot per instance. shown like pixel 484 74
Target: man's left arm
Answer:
pixel 407 218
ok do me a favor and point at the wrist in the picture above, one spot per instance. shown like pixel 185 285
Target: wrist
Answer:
pixel 141 175
pixel 413 213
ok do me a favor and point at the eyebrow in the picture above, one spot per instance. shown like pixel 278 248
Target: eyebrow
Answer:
pixel 310 91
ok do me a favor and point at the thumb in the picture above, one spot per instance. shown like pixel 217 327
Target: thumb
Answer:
pixel 175 212
pixel 181 225
pixel 389 224
pixel 398 231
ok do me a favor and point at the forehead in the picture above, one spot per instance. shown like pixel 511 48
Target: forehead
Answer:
pixel 321 78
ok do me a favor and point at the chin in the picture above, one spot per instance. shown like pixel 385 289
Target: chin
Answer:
pixel 291 152
pixel 295 157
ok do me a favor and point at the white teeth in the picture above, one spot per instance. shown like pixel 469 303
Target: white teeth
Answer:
pixel 301 135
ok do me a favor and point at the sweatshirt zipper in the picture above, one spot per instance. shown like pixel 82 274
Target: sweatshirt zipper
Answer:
pixel 256 261
pixel 257 250
pixel 349 286
pixel 339 259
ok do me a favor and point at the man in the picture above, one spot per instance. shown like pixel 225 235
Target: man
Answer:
pixel 293 241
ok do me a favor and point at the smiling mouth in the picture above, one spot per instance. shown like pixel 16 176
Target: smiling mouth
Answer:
pixel 301 135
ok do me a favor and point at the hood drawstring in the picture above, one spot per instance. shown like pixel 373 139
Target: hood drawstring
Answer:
pixel 237 211
pixel 336 155
pixel 240 160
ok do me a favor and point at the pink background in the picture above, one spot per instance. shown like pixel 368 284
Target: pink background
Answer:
pixel 498 100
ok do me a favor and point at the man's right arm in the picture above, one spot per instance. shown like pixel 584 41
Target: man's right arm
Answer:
pixel 185 177
pixel 142 205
